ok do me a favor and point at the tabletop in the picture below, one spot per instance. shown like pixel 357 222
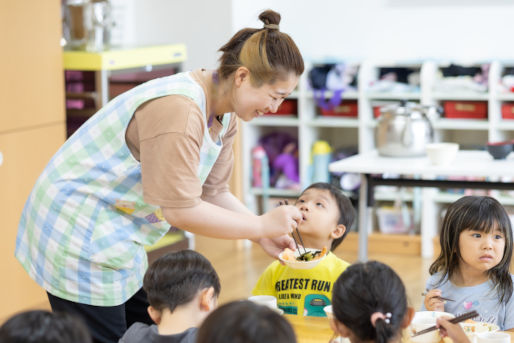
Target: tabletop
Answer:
pixel 467 162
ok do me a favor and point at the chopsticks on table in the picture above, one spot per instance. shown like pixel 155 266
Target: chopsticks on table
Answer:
pixel 455 320
pixel 438 297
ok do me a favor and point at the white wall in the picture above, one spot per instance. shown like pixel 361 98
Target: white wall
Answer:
pixel 349 29
pixel 391 29
pixel 203 25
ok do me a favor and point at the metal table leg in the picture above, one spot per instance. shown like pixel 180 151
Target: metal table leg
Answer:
pixel 102 88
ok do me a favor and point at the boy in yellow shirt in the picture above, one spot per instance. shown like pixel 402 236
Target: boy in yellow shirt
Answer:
pixel 327 217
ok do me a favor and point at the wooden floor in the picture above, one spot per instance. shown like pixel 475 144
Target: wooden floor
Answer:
pixel 239 267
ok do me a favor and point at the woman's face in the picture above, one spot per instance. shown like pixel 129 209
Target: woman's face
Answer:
pixel 250 102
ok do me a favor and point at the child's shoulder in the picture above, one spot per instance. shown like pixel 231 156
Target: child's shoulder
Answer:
pixel 137 332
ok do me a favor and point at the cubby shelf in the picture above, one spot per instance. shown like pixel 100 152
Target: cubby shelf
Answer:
pixel 308 126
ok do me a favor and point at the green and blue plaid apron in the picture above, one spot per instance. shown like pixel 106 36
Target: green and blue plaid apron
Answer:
pixel 84 225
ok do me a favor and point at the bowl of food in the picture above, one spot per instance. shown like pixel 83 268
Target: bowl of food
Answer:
pixel 302 258
pixel 442 153
pixel 499 150
pixel 472 327
pixel 423 320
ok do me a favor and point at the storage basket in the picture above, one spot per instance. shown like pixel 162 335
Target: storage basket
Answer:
pixel 390 220
pixel 344 109
pixel 465 109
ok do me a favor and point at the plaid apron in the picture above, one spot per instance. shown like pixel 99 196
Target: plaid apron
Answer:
pixel 84 225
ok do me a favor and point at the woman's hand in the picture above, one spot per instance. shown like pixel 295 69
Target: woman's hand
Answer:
pixel 433 302
pixel 454 331
pixel 280 221
pixel 274 246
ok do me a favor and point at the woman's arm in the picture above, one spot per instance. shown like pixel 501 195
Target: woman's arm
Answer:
pixel 214 221
pixel 227 201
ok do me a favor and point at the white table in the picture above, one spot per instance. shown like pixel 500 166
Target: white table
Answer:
pixel 466 163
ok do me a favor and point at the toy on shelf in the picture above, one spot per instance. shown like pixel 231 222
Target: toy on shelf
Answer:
pixel 281 151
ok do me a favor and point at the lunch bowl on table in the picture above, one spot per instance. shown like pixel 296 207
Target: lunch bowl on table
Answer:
pixel 499 150
pixel 472 327
pixel 290 258
pixel 423 320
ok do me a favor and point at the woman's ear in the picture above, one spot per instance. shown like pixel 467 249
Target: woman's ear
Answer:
pixel 407 318
pixel 154 314
pixel 207 299
pixel 338 231
pixel 241 74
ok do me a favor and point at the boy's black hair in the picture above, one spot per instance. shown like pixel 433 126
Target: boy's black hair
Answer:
pixel 363 289
pixel 39 326
pixel 477 213
pixel 346 210
pixel 176 278
pixel 245 322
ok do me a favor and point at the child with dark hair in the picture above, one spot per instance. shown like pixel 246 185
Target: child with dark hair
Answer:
pixel 327 215
pixel 245 322
pixel 39 326
pixel 473 266
pixel 182 289
pixel 369 303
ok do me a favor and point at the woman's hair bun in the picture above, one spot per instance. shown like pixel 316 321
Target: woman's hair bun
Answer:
pixel 270 17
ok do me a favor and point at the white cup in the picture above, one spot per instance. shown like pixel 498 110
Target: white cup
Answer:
pixel 492 337
pixel 266 300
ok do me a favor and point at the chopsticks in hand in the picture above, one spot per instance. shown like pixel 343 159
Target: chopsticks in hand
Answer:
pixel 438 297
pixel 455 320
pixel 285 202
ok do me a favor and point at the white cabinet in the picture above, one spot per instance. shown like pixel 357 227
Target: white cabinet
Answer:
pixel 308 126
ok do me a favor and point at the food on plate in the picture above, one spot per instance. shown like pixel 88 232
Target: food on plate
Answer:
pixel 289 255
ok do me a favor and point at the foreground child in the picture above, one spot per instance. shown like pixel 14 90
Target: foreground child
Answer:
pixel 327 215
pixel 370 305
pixel 44 327
pixel 245 322
pixel 182 289
pixel 473 267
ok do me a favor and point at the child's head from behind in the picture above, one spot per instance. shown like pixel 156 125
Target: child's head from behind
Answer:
pixel 245 322
pixel 44 327
pixel 476 231
pixel 369 303
pixel 327 213
pixel 177 278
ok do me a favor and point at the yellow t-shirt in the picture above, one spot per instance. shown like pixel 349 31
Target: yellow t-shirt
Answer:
pixel 301 291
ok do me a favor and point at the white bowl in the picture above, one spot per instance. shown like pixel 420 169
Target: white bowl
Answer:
pixel 423 320
pixel 301 264
pixel 442 153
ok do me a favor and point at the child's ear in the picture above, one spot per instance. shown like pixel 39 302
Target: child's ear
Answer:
pixel 207 299
pixel 407 318
pixel 154 314
pixel 339 328
pixel 338 232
